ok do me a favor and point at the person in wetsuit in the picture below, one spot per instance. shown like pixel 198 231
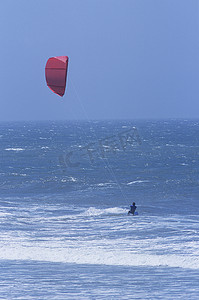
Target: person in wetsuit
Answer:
pixel 132 209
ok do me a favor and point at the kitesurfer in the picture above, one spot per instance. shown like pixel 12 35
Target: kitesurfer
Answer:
pixel 132 209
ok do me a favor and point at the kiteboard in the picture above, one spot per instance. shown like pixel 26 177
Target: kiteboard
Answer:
pixel 135 214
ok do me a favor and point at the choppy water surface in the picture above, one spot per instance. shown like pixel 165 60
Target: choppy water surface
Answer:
pixel 65 192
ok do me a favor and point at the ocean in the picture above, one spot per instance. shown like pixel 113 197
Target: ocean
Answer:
pixel 65 192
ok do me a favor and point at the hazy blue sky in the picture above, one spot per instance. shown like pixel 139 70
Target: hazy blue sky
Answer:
pixel 127 58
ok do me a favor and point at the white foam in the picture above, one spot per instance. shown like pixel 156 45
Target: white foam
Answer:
pixel 85 240
pixel 96 255
pixel 4 214
pixel 18 174
pixel 92 211
pixel 14 149
pixel 105 184
pixel 137 181
pixel 71 179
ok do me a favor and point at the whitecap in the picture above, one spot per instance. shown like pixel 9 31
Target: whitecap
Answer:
pixel 105 184
pixel 14 149
pixel 18 174
pixel 92 211
pixel 71 179
pixel 137 181
pixel 93 254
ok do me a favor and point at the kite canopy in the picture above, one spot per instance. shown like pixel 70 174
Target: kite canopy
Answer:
pixel 56 73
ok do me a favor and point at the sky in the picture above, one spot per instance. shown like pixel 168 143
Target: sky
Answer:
pixel 128 59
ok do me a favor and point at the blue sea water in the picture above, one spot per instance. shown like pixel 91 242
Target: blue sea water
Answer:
pixel 65 191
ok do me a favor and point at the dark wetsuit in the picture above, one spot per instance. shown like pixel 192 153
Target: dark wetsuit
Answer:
pixel 132 209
